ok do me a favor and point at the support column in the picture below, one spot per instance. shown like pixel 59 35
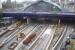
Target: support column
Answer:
pixel 59 23
pixel 60 2
pixel 74 7
pixel 28 20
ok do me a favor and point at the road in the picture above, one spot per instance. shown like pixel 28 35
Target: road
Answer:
pixel 27 28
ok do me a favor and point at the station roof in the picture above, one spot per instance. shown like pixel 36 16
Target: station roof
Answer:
pixel 39 9
pixel 42 6
pixel 39 6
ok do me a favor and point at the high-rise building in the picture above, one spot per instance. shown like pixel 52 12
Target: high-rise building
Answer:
pixel 8 4
pixel 0 5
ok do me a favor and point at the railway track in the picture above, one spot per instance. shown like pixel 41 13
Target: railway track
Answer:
pixel 63 38
pixel 67 30
pixel 8 30
pixel 43 36
pixel 5 39
pixel 6 34
pixel 13 39
pixel 38 36
pixel 38 30
pixel 55 38
pixel 44 39
pixel 13 34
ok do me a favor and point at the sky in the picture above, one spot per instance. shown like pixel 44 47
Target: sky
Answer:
pixel 18 0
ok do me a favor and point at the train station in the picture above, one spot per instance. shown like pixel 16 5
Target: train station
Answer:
pixel 37 24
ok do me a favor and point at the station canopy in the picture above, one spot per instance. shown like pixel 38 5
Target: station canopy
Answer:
pixel 42 6
pixel 37 7
pixel 40 9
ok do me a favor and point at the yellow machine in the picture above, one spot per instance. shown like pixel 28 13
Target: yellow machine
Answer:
pixel 21 35
pixel 18 23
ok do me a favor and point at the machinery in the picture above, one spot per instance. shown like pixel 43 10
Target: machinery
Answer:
pixel 1 45
pixel 12 46
pixel 18 23
pixel 71 46
pixel 29 39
